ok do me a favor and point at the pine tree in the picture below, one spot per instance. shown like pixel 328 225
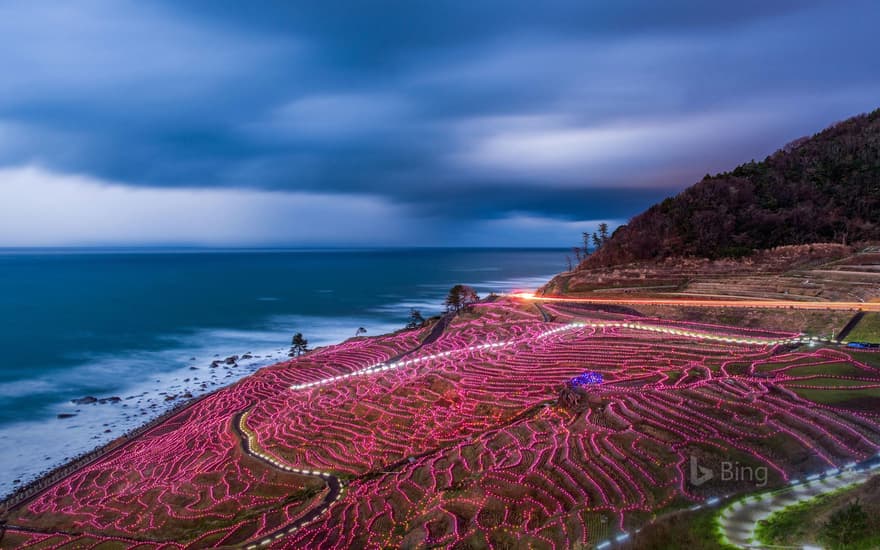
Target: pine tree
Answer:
pixel 603 233
pixel 298 345
pixel 415 319
pixel 461 297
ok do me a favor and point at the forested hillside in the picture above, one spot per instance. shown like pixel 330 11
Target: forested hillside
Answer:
pixel 825 188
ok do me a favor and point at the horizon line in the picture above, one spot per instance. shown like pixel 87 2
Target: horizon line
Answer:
pixel 221 248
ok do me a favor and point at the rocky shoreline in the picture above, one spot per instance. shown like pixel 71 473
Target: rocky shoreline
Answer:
pixel 44 481
pixel 179 392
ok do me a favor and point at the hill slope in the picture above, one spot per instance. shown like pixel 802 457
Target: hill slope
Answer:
pixel 820 189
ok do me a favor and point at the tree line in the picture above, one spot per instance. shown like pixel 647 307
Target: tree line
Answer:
pixel 598 239
pixel 825 188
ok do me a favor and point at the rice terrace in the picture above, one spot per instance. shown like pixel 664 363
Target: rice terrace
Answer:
pixel 400 275
pixel 501 446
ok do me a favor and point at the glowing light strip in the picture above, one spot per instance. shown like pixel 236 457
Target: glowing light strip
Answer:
pixel 381 367
pixel 254 450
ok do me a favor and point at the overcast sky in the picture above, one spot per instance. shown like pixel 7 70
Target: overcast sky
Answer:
pixel 400 123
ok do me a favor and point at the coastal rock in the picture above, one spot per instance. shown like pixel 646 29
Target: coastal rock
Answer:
pixel 231 359
pixel 66 415
pixel 87 400
pixel 114 399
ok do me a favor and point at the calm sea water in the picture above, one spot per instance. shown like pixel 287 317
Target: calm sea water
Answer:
pixel 144 325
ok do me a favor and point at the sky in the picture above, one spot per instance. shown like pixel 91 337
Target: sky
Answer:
pixel 377 123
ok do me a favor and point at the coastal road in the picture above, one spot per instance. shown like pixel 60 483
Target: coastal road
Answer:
pixel 735 302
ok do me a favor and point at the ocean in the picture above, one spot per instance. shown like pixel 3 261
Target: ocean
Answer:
pixel 144 325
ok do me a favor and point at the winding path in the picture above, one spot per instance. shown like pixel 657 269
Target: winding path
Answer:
pixel 740 519
pixel 335 486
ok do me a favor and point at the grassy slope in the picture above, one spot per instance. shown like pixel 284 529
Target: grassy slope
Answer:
pixel 868 329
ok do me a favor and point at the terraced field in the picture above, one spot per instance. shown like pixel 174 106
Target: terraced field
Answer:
pixel 855 277
pixel 475 439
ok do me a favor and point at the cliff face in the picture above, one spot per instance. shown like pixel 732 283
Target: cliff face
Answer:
pixel 825 188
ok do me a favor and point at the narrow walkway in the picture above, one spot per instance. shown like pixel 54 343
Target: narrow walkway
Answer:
pixel 252 448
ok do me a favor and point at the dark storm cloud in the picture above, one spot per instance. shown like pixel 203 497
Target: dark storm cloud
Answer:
pixel 456 114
